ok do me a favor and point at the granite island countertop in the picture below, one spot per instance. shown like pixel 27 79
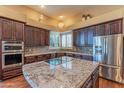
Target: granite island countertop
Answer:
pixel 70 74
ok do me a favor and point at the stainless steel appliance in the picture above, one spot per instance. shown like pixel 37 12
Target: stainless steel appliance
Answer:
pixel 12 53
pixel 108 51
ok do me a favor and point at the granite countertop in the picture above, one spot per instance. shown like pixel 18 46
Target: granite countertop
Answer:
pixel 50 52
pixel 71 74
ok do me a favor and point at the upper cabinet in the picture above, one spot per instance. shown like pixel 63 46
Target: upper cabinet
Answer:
pixel 18 31
pixel 115 27
pixel 28 36
pixel 34 36
pixel 109 28
pixel 100 30
pixel 11 30
pixel 84 36
pixel 90 34
pixel 75 37
pixel 42 37
pixel 47 35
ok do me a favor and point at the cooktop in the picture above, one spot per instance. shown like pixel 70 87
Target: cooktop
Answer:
pixel 59 60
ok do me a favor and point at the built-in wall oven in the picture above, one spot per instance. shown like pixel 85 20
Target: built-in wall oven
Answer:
pixel 12 53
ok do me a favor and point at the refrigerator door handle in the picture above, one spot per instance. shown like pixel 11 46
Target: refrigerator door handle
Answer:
pixel 110 66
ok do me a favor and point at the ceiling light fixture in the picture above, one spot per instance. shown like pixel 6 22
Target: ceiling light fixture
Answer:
pixel 61 25
pixel 41 17
pixel 42 6
pixel 61 17
pixel 86 17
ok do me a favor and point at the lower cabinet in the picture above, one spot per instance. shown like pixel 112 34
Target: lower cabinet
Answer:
pixel 60 54
pixel 40 58
pixel 93 80
pixel 87 57
pixel 30 59
pixel 36 58
pixel 77 56
pixel 69 54
pixel 47 56
pixel 11 72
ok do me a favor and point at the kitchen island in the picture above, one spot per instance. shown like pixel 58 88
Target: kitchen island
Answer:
pixel 62 72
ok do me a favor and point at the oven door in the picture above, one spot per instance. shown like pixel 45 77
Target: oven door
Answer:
pixel 12 59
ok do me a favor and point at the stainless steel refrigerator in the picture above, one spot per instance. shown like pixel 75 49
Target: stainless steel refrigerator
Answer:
pixel 108 51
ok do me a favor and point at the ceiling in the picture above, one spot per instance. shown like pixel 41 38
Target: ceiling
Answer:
pixel 69 11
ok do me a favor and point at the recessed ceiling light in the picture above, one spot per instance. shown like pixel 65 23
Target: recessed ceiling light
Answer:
pixel 61 17
pixel 42 6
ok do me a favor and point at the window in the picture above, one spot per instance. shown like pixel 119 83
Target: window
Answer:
pixel 54 39
pixel 65 37
pixel 66 40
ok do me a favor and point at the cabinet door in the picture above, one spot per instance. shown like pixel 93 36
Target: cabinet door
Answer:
pixel 36 32
pixel 82 37
pixel 28 36
pixel 115 27
pixel 42 37
pixel 78 38
pixel 0 28
pixel 7 29
pixel 75 40
pixel 47 35
pixel 100 30
pixel 19 30
pixel 30 59
pixel 90 36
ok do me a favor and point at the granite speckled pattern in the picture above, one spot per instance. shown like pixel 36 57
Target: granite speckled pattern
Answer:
pixel 71 74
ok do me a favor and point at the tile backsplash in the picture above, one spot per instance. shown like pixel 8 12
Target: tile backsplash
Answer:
pixel 42 49
pixel 29 50
pixel 84 49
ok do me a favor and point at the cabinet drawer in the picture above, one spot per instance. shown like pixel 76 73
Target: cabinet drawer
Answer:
pixel 9 73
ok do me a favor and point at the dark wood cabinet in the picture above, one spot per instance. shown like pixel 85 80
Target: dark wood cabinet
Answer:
pixel 90 34
pixel 18 31
pixel 40 58
pixel 100 30
pixel 114 27
pixel 60 54
pixel 47 36
pixel 30 59
pixel 35 36
pixel 93 80
pixel 7 29
pixel 11 72
pixel 77 56
pixel 76 38
pixel 42 37
pixel 84 36
pixel 28 36
pixel 87 57
pixel 12 30
pixel 109 28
